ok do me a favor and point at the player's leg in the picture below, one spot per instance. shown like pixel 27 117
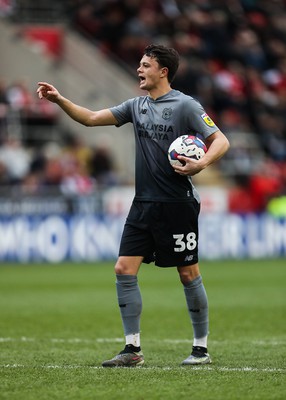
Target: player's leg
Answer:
pixel 129 298
pixel 197 303
pixel 135 240
pixel 130 305
pixel 177 245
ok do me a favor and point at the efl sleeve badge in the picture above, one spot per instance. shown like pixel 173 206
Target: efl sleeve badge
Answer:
pixel 207 119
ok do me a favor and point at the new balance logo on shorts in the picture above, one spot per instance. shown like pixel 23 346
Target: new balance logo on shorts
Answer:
pixel 189 258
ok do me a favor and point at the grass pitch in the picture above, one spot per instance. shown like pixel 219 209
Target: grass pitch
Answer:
pixel 59 322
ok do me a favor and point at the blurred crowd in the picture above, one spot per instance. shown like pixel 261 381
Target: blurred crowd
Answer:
pixel 233 54
pixel 233 60
pixel 66 164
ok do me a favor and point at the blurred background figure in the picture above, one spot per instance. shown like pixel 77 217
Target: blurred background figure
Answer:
pixel 102 166
pixel 233 60
pixel 15 160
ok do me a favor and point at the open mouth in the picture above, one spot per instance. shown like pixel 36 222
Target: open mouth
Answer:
pixel 142 79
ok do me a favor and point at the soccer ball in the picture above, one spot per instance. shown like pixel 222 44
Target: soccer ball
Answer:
pixel 188 146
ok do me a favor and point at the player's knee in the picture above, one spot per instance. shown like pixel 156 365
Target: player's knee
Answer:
pixel 125 266
pixel 185 278
pixel 120 268
pixel 189 273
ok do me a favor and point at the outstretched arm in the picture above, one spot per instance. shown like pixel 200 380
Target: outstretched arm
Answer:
pixel 80 114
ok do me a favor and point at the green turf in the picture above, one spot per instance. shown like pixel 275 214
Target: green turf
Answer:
pixel 58 322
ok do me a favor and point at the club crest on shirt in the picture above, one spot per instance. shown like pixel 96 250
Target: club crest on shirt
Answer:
pixel 207 119
pixel 167 112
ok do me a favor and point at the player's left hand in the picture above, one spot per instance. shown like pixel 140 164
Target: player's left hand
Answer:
pixel 191 167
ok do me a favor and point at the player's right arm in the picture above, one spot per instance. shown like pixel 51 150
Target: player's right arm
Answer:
pixel 80 114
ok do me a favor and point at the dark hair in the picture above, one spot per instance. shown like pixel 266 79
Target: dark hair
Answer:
pixel 165 56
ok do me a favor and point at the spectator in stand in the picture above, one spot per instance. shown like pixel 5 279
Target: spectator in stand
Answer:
pixel 102 166
pixel 84 18
pixel 74 181
pixel 252 192
pixel 52 166
pixel 264 184
pixel 247 48
pixel 15 160
pixel 75 148
pixel 240 199
pixel 19 96
pixel 230 86
pixel 273 135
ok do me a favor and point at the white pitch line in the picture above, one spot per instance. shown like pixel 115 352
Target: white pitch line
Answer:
pixel 121 340
pixel 21 339
pixel 187 369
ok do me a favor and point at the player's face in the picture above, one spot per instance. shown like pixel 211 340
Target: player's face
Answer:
pixel 150 73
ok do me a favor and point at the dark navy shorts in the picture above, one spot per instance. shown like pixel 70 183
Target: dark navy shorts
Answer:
pixel 164 233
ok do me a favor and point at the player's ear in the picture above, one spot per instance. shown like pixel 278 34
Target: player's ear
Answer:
pixel 164 72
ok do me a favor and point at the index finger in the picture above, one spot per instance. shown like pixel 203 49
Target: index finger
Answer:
pixel 46 84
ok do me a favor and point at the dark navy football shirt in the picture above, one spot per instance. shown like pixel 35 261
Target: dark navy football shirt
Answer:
pixel 157 123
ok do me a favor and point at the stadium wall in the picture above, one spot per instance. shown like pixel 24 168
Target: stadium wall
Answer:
pixel 46 231
pixel 91 238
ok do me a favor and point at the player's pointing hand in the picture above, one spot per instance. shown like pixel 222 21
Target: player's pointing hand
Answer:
pixel 48 91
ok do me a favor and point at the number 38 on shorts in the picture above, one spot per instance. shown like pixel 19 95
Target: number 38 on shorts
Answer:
pixel 183 242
